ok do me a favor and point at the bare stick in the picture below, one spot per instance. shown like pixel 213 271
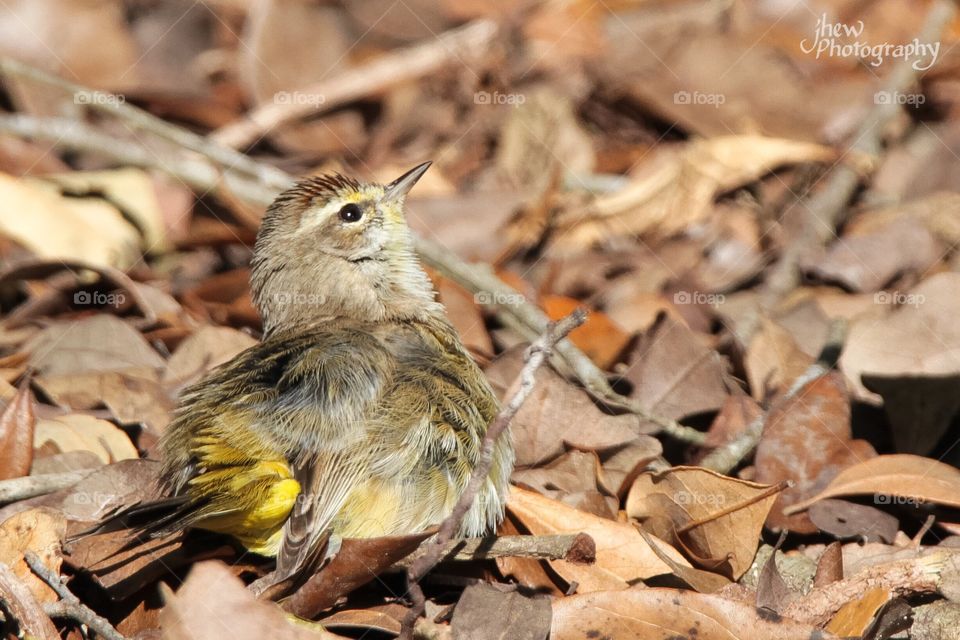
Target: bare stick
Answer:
pixel 572 547
pixel 69 605
pixel 433 550
pixel 32 486
pixel 19 603
pixel 458 45
pixel 143 121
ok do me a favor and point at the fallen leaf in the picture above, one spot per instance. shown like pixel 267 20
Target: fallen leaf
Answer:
pixel 556 414
pixel 79 432
pixel 517 616
pixel 572 472
pixel 663 614
pixel 463 312
pixel 599 337
pixel 829 565
pixel 773 360
pixel 17 424
pixel 99 343
pixel 817 419
pixel 674 375
pixel 731 513
pixel 620 468
pixel 204 350
pixel 39 531
pixel 845 519
pixel 623 556
pixel 235 613
pixel 911 479
pixel 855 617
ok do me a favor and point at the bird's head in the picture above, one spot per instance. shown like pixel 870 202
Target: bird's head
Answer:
pixel 332 247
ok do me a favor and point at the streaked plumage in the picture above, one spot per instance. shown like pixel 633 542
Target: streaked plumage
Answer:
pixel 359 415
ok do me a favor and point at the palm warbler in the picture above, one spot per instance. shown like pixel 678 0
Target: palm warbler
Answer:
pixel 360 414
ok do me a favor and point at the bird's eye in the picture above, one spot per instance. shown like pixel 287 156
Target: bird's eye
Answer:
pixel 351 212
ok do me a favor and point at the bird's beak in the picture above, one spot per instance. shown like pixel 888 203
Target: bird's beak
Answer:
pixel 397 189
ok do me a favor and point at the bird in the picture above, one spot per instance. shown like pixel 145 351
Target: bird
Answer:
pixel 359 413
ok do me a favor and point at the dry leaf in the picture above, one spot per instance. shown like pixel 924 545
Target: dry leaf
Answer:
pixel 663 614
pixel 699 495
pixel 816 419
pixel 622 554
pixel 41 532
pixel 517 616
pixel 598 337
pixel 558 414
pixel 855 617
pixel 892 479
pixel 674 375
pixel 79 432
pixel 17 423
pixel 676 187
pixel 206 349
pixel 773 360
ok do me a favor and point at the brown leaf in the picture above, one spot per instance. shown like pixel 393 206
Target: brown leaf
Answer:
pixel 697 496
pixel 851 520
pixel 572 472
pixel 913 479
pixel 669 613
pixel 99 343
pixel 17 423
pixel 829 565
pixel 462 310
pixel 41 532
pixel 234 613
pixel 620 468
pixel 622 554
pixel 773 360
pixel 558 414
pixel 854 618
pixel 206 349
pixel 735 416
pixel 357 562
pixel 517 617
pixel 79 432
pixel 807 440
pixel 598 337
pixel 674 375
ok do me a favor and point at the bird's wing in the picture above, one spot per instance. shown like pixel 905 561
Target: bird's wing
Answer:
pixel 321 417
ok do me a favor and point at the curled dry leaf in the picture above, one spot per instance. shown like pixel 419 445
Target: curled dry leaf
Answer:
pixel 816 419
pixel 676 187
pixel 79 432
pixel 908 477
pixel 39 531
pixel 663 614
pixel 730 513
pixel 60 227
pixel 623 556
pixel 16 435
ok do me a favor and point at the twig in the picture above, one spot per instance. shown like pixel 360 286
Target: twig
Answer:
pixel 146 122
pixel 723 459
pixel 572 547
pixel 383 73
pixel 32 486
pixel 204 175
pixel 433 551
pixel 69 605
pixel 19 603
pixel 827 207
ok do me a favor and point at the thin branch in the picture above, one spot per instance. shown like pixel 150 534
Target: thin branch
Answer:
pixel 21 605
pixel 32 486
pixel 387 71
pixel 578 547
pixel 69 605
pixel 433 550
